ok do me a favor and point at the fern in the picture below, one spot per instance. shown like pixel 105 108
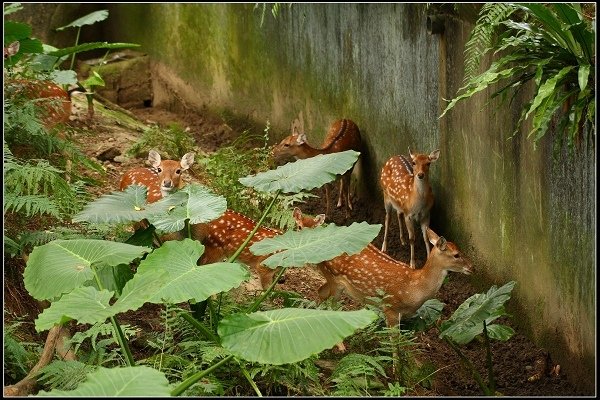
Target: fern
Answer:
pixel 97 330
pixel 64 375
pixel 225 166
pixel 300 378
pixel 173 142
pixel 36 187
pixel 19 356
pixel 30 205
pixel 482 35
pixel 358 375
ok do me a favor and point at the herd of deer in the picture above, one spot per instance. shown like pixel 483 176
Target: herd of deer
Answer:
pixel 405 184
pixel 406 188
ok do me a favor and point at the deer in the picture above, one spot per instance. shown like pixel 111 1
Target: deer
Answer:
pixel 406 188
pixel 162 178
pixel 52 101
pixel 371 273
pixel 342 135
pixel 223 236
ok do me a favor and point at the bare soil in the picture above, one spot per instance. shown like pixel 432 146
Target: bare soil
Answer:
pixel 515 361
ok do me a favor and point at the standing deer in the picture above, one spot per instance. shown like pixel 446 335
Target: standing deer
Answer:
pixel 405 184
pixel 342 135
pixel 372 272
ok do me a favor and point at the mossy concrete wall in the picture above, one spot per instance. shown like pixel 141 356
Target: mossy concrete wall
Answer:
pixel 520 214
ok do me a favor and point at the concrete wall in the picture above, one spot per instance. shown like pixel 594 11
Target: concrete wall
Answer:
pixel 525 216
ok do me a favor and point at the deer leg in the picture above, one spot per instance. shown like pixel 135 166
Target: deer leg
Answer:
pixel 327 199
pixel 424 226
pixel 398 215
pixel 411 238
pixel 341 194
pixel 388 210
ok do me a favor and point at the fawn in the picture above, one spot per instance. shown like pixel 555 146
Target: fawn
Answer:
pixel 405 184
pixel 342 135
pixel 163 177
pixel 223 236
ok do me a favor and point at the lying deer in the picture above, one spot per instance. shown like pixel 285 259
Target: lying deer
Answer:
pixel 223 236
pixel 52 102
pixel 342 135
pixel 372 272
pixel 162 178
pixel 405 184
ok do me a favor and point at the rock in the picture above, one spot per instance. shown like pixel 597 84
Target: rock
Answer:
pixel 108 154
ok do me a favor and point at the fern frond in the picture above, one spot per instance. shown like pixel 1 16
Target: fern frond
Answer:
pixel 64 375
pixel 482 35
pixel 30 205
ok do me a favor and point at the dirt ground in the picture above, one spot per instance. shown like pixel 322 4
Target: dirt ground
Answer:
pixel 514 361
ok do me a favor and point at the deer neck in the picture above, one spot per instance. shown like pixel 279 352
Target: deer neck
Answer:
pixel 309 151
pixel 432 277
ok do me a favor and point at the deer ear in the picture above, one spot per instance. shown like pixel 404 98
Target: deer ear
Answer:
pixel 319 219
pixel 433 237
pixel 301 138
pixel 187 160
pixel 297 214
pixel 412 156
pixel 434 155
pixel 441 243
pixel 154 158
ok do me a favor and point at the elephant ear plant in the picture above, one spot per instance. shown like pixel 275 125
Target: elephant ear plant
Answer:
pixel 72 275
pixel 550 45
pixel 473 318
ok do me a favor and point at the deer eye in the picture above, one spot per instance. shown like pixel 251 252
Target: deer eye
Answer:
pixel 178 172
pixel 414 163
pixel 286 145
pixel 457 255
pixel 159 169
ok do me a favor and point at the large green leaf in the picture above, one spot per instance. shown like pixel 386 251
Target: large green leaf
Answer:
pixel 62 265
pixel 467 321
pixel 89 19
pixel 304 174
pixel 288 335
pixel 186 280
pixel 194 202
pixel 85 304
pixel 116 207
pixel 138 381
pixel 296 248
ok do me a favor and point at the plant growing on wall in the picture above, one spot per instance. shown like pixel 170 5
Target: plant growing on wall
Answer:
pixel 549 45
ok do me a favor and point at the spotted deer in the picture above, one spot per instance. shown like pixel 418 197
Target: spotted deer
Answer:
pixel 52 102
pixel 342 135
pixel 405 184
pixel 372 273
pixel 161 178
pixel 223 236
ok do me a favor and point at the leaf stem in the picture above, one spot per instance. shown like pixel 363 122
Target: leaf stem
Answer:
pixel 183 386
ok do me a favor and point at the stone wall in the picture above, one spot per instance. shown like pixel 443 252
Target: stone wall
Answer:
pixel 526 215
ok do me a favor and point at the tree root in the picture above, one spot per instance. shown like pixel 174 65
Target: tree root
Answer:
pixel 55 342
